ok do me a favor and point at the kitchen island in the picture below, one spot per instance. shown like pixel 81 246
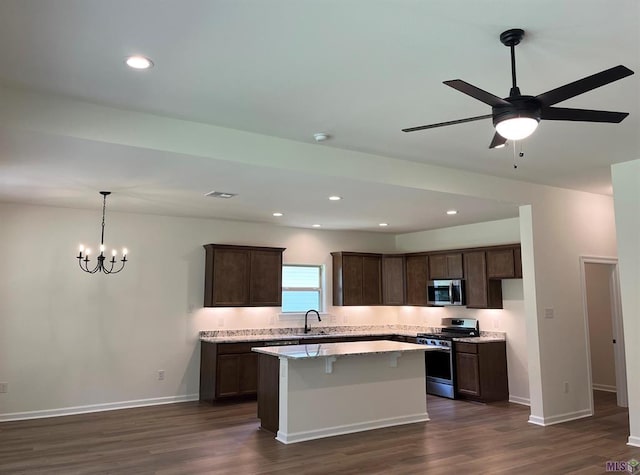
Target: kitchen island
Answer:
pixel 320 390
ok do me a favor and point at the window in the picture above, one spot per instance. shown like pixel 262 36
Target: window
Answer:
pixel 301 288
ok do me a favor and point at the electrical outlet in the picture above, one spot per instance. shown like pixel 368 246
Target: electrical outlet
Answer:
pixel 160 375
pixel 549 313
pixel 566 387
pixel 4 387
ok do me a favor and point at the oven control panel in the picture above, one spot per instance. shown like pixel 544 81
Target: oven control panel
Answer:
pixel 434 342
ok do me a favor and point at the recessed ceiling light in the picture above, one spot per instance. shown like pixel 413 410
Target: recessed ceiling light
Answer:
pixel 383 224
pixel 452 211
pixel 220 194
pixel 315 225
pixel 278 214
pixel 335 198
pixel 321 136
pixel 139 62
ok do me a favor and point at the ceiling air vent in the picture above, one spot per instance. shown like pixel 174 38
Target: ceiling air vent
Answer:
pixel 220 194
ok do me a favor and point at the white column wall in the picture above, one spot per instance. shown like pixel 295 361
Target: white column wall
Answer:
pixel 562 229
pixel 626 191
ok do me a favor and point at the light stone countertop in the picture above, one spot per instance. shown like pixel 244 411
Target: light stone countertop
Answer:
pixel 320 350
pixel 297 333
pixel 295 336
pixel 479 339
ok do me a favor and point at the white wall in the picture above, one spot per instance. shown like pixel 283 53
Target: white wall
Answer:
pixel 504 231
pixel 70 339
pixel 559 227
pixel 626 191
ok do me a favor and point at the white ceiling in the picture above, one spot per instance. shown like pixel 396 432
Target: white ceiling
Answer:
pixel 360 70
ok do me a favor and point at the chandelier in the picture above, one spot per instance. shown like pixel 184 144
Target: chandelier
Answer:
pixel 110 266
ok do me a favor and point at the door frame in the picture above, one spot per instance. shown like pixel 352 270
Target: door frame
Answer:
pixel 616 322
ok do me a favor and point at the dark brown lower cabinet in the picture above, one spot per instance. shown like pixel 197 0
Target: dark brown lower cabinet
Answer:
pixel 481 371
pixel 237 375
pixel 269 394
pixel 228 370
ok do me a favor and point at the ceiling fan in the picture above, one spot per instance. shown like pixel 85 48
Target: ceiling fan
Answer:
pixel 517 116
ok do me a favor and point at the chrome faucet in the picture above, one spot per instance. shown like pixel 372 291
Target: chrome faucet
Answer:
pixel 307 328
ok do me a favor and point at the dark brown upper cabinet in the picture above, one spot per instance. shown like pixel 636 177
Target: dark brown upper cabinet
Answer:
pixel 504 263
pixel 393 280
pixel 417 275
pixel 445 266
pixel 242 276
pixel 517 258
pixel 376 279
pixel 481 292
pixel 357 278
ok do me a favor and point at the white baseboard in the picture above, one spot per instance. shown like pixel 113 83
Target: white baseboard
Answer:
pixel 292 438
pixel 111 406
pixel 604 387
pixel 525 401
pixel 560 418
pixel 634 441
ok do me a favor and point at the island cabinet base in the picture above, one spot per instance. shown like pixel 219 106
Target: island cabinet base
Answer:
pixel 305 399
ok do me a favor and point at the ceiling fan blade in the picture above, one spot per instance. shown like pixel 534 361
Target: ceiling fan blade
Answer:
pixel 451 122
pixel 582 115
pixel 476 93
pixel 583 85
pixel 497 141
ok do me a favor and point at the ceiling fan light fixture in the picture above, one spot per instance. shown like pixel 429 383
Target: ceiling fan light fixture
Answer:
pixel 516 128
pixel 139 62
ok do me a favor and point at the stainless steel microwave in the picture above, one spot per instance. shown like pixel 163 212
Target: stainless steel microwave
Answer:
pixel 445 292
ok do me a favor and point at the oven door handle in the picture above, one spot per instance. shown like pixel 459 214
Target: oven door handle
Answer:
pixel 441 349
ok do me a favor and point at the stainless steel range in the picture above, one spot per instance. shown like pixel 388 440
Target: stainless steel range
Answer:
pixel 440 362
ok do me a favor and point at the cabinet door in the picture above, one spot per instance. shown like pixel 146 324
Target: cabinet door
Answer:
pixel 438 266
pixel 393 280
pixel 517 262
pixel 266 278
pixel 228 375
pixel 416 281
pixel 467 374
pixel 248 374
pixel 371 280
pixel 230 277
pixel 476 279
pixel 500 264
pixel 454 266
pixel 352 280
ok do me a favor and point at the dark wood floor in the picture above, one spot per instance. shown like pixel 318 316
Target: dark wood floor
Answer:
pixel 194 438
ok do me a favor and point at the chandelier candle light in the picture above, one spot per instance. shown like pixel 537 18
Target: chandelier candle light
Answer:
pixel 83 255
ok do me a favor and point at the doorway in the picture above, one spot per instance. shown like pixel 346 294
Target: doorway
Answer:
pixel 603 325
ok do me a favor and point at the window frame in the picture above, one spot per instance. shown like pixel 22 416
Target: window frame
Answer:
pixel 319 289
